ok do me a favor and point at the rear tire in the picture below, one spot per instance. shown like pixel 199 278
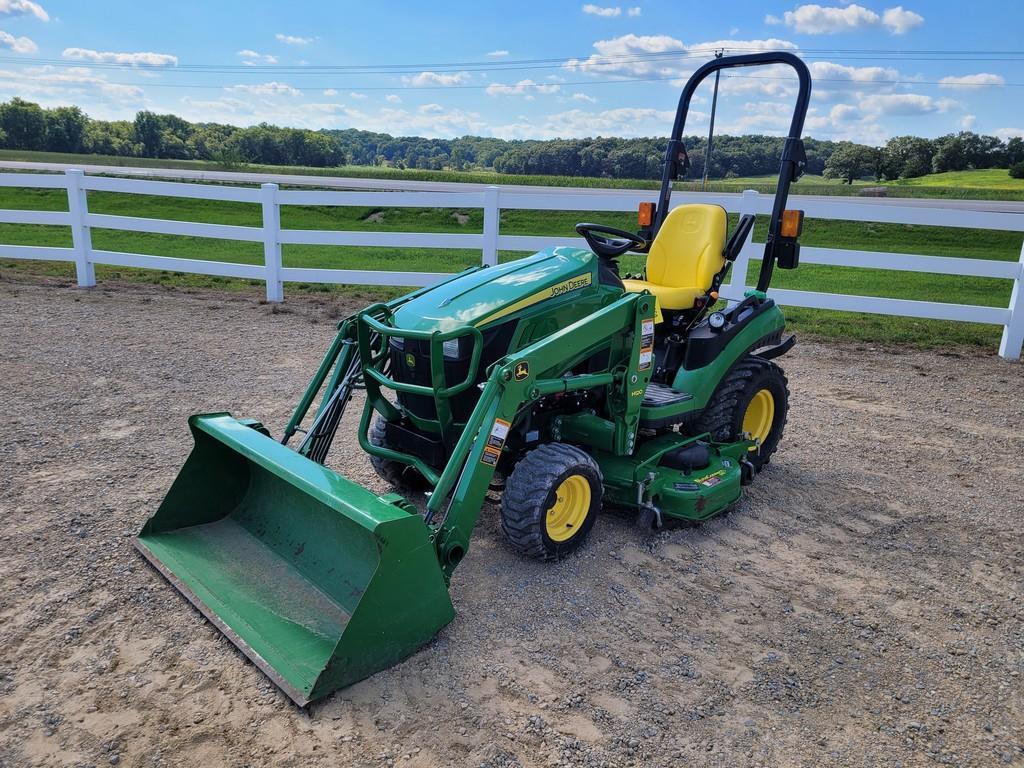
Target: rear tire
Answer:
pixel 394 473
pixel 752 398
pixel 551 501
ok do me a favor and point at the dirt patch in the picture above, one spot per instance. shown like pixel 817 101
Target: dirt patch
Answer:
pixel 861 606
pixel 462 219
pixel 377 217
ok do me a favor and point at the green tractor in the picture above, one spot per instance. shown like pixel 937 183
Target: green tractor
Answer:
pixel 549 378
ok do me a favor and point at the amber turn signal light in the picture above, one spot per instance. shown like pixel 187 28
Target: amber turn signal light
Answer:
pixel 792 223
pixel 645 216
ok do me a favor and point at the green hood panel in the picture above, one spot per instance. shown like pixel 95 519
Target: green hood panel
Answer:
pixel 485 295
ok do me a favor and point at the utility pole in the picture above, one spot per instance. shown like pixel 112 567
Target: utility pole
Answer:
pixel 711 129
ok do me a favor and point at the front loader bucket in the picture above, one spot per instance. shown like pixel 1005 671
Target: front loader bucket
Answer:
pixel 316 579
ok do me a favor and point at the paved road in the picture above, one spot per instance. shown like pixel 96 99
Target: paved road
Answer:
pixel 337 182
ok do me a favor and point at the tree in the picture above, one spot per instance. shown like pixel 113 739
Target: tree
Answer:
pixel 24 124
pixel 1017 170
pixel 65 129
pixel 907 157
pixel 852 161
pixel 111 138
pixel 950 154
pixel 1015 151
pixel 148 133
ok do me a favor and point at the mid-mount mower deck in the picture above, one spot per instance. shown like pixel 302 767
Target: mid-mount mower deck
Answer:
pixel 549 378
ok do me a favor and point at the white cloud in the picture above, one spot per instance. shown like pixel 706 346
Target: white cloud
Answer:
pixel 900 21
pixel 393 98
pixel 497 54
pixel 630 55
pixel 357 95
pixel 252 58
pixel 583 97
pixel 814 19
pixel 264 89
pixel 578 123
pixel 23 8
pixel 329 92
pixel 634 11
pixel 1008 133
pixel 526 88
pixel 17 44
pixel 144 58
pixel 843 112
pixel 426 79
pixel 967 121
pixel 599 10
pixel 982 79
pixel 293 40
pixel 52 87
pixel 905 104
pixel 426 121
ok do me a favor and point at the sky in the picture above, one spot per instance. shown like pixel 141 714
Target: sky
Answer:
pixel 525 69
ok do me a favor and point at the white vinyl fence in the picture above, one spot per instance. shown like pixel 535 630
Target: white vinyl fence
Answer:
pixel 492 200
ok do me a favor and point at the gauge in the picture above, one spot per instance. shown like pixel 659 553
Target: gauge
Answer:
pixel 716 320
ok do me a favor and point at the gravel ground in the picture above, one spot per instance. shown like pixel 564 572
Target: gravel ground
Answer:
pixel 861 606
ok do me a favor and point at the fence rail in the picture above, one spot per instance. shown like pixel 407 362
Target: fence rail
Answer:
pixel 492 200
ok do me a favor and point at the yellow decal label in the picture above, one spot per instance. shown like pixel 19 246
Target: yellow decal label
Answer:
pixel 490 456
pixel 559 289
pixel 522 371
pixel 410 360
pixel 713 479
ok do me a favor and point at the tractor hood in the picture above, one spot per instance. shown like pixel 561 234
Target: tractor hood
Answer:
pixel 486 295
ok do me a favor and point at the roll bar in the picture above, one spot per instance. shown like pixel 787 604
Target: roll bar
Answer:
pixel 794 158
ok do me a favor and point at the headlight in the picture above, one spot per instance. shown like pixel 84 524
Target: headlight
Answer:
pixel 451 349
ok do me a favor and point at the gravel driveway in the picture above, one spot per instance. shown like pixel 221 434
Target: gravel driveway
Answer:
pixel 862 606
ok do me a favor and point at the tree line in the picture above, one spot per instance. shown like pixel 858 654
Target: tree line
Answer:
pixel 906 157
pixel 28 126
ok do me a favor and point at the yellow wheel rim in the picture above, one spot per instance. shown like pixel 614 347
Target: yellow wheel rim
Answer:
pixel 759 416
pixel 572 505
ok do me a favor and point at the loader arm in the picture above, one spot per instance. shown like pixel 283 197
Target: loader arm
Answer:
pixel 521 379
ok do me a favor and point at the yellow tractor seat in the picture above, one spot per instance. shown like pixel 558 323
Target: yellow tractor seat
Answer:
pixel 685 257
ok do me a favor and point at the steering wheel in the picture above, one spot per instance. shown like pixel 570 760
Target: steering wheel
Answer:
pixel 608 242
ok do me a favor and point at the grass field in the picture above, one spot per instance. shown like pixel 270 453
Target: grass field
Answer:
pixel 980 244
pixel 989 178
pixel 984 184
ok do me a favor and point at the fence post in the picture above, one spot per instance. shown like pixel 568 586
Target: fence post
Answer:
pixel 737 284
pixel 1013 331
pixel 81 238
pixel 272 241
pixel 492 219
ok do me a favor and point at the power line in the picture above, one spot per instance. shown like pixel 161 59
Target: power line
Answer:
pixel 589 60
pixel 243 87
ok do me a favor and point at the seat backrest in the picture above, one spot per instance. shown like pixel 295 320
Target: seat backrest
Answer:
pixel 688 250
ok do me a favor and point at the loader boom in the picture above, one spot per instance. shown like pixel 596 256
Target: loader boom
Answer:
pixel 510 386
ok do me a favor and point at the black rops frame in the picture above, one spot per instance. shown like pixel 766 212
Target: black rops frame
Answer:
pixel 793 156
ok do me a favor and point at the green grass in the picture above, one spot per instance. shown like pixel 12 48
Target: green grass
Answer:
pixel 988 178
pixel 810 184
pixel 980 244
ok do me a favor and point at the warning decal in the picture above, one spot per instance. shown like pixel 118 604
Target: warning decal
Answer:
pixel 495 442
pixel 498 434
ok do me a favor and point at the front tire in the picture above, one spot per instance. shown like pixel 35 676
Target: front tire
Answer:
pixel 551 501
pixel 752 399
pixel 396 474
